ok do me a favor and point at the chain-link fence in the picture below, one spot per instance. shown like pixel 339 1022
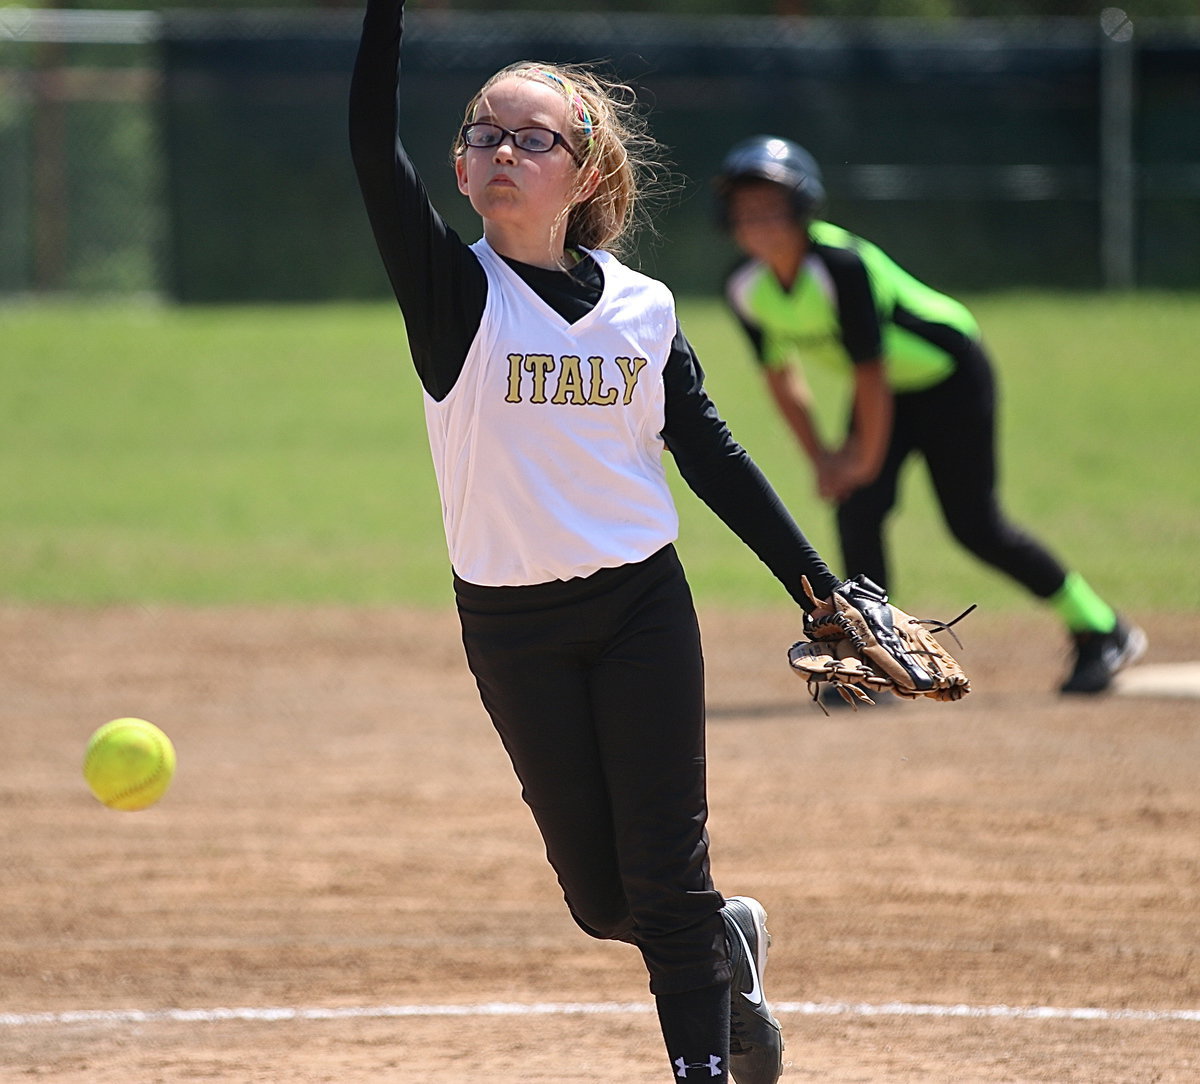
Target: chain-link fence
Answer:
pixel 81 205
pixel 204 155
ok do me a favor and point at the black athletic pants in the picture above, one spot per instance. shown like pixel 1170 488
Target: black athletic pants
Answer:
pixel 953 426
pixel 596 688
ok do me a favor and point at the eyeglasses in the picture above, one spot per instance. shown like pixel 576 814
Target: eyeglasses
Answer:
pixel 531 140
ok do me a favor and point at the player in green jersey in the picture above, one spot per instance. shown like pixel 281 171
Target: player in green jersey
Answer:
pixel 813 293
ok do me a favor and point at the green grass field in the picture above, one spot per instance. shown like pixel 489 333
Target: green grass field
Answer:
pixel 217 455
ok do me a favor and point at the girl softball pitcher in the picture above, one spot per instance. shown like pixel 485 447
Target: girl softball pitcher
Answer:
pixel 923 384
pixel 555 377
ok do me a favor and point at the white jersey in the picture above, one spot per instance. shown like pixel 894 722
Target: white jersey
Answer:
pixel 548 451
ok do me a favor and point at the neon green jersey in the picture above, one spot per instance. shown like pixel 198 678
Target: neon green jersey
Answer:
pixel 852 303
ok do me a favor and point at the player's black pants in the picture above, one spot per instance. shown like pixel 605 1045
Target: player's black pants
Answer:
pixel 596 688
pixel 953 426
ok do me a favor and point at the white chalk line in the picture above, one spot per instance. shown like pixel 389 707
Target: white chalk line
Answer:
pixel 504 1008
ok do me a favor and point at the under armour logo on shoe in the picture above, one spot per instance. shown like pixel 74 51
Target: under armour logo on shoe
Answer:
pixel 713 1065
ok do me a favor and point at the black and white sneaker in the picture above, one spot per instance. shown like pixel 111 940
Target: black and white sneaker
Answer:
pixel 755 1041
pixel 1100 655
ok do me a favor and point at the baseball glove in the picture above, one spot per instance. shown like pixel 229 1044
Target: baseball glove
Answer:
pixel 859 643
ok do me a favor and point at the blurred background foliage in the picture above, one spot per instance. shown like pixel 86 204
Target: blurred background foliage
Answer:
pixel 844 9
pixel 197 150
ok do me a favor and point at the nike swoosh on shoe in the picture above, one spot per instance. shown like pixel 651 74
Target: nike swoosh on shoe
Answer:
pixel 754 995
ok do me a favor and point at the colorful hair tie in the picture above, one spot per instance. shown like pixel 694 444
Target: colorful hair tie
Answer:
pixel 576 100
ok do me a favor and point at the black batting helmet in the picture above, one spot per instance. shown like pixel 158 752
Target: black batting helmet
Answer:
pixel 770 158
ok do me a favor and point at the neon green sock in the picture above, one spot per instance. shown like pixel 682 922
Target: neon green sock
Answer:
pixel 1081 608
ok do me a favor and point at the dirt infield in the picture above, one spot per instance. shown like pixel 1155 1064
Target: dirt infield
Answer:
pixel 345 834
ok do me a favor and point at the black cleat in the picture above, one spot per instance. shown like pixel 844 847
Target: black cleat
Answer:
pixel 1100 655
pixel 755 1041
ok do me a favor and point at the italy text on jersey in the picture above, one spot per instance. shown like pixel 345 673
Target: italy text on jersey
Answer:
pixel 569 380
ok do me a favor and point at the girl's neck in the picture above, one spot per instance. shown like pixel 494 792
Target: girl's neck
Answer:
pixel 786 266
pixel 549 253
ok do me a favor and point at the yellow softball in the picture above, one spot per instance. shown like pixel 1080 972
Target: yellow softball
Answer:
pixel 129 764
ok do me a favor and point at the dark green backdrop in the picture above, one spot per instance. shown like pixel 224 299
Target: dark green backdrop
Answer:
pixel 971 152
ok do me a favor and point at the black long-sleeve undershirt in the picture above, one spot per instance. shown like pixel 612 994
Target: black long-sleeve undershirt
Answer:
pixel 442 288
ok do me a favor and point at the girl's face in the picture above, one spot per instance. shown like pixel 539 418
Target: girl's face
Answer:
pixel 763 223
pixel 517 190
